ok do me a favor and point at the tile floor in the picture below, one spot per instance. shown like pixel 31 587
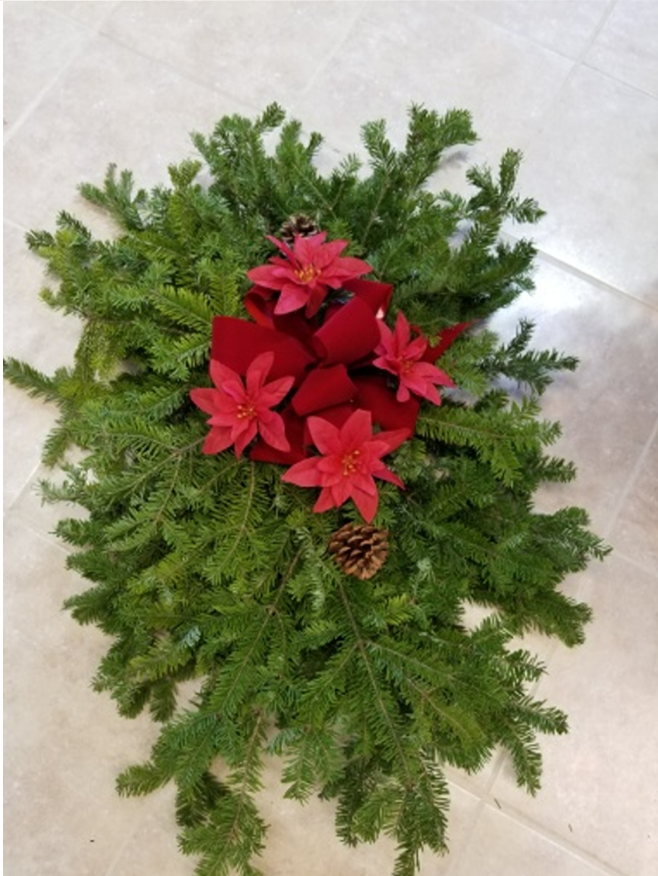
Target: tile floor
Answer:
pixel 575 86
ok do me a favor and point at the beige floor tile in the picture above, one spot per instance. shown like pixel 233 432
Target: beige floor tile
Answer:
pixel 111 105
pixel 153 847
pixel 26 422
pixel 63 744
pixel 37 46
pixel 501 846
pixel 33 333
pixel 565 28
pixel 608 406
pixel 302 838
pixel 626 46
pixel 599 790
pixel 127 82
pixel 31 330
pixel 433 53
pixel 635 533
pixel 257 52
pixel 593 168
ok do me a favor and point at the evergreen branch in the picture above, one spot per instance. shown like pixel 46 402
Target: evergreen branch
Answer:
pixel 243 524
pixel 29 379
pixel 375 687
pixel 532 367
pixel 225 697
pixel 185 308
pixel 116 197
pixel 209 567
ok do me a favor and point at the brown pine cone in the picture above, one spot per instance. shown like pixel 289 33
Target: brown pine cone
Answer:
pixel 359 549
pixel 297 226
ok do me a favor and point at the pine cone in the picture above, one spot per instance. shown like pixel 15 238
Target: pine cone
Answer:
pixel 359 550
pixel 297 226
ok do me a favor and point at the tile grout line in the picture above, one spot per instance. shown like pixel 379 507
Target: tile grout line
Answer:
pixel 579 273
pixel 630 483
pixel 92 32
pixel 334 51
pixel 590 278
pixel 633 562
pixel 18 226
pixel 463 7
pixel 555 839
pixel 578 62
pixel 619 81
pixel 183 74
pixel 35 102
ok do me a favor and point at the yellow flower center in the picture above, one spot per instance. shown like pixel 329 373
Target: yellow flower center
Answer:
pixel 246 411
pixel 307 274
pixel 350 462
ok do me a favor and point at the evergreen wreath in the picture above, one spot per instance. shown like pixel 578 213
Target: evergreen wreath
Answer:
pixel 255 350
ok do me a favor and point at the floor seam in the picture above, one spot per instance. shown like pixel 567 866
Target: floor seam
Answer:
pixel 641 567
pixel 240 102
pixel 619 81
pixel 631 482
pixel 577 63
pixel 333 52
pixel 554 838
pixel 32 105
pixel 567 267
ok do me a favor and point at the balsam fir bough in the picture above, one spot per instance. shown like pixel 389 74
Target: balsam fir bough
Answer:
pixel 255 350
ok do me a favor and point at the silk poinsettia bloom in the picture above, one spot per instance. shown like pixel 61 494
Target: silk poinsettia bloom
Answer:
pixel 407 360
pixel 351 457
pixel 307 272
pixel 239 410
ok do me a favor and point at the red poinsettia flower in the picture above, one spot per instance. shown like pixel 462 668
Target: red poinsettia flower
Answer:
pixel 239 412
pixel 406 359
pixel 351 459
pixel 307 272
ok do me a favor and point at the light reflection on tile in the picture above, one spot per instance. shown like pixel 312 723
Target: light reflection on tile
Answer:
pixel 635 532
pixel 595 174
pixel 608 406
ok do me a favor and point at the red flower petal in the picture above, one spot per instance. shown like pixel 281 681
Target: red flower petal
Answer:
pixel 356 431
pixel 244 436
pixel 272 430
pixel 446 339
pixel 385 474
pixel 325 501
pixel 217 439
pixel 204 399
pixel 258 371
pixel 292 297
pixel 304 473
pixel 367 504
pixel 327 438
